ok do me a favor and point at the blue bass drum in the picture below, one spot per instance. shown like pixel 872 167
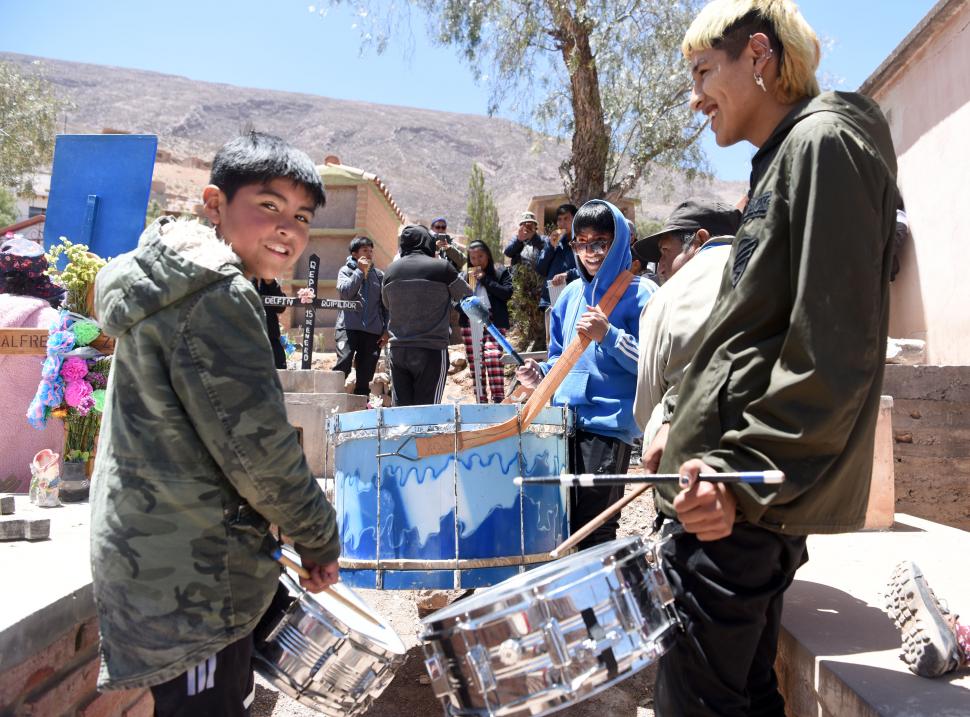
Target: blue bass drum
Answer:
pixel 446 521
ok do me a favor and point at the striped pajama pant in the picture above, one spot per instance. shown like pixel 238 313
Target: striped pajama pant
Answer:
pixel 494 372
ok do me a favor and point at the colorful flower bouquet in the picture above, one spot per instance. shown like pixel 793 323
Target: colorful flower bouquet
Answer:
pixel 74 375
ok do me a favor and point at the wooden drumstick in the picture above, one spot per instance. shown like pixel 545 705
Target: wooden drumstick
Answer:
pixel 305 574
pixel 573 540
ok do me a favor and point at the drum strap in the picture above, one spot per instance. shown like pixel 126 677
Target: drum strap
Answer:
pixel 596 632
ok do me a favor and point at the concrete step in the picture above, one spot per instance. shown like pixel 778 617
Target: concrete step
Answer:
pixel 309 412
pixel 311 381
pixel 838 653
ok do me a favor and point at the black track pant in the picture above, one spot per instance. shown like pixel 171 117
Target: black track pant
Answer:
pixel 220 686
pixel 363 346
pixel 418 375
pixel 592 453
pixel 729 594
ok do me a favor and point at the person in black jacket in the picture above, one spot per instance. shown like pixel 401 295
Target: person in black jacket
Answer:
pixel 273 288
pixel 493 286
pixel 418 292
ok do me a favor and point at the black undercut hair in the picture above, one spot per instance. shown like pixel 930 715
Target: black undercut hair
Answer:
pixel 358 243
pixel 259 158
pixel 737 34
pixel 596 216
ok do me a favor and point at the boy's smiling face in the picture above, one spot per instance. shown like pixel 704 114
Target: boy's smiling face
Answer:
pixel 267 225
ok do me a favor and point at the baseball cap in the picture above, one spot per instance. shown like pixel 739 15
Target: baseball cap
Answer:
pixel 528 217
pixel 718 218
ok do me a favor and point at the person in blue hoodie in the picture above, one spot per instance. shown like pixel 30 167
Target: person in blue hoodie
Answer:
pixel 602 385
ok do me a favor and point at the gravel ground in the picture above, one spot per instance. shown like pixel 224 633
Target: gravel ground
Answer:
pixel 409 696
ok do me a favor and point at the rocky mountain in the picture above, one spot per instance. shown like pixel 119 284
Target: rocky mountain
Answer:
pixel 424 156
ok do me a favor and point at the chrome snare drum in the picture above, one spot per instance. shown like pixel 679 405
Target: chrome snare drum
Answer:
pixel 321 653
pixel 552 636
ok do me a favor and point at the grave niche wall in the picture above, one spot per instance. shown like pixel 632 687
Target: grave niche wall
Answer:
pixel 340 211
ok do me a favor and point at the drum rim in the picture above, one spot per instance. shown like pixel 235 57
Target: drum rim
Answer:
pixel 311 604
pixel 483 603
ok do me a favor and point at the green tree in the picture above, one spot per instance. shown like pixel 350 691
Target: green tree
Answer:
pixel 608 74
pixel 528 321
pixel 154 211
pixel 482 223
pixel 8 208
pixel 28 117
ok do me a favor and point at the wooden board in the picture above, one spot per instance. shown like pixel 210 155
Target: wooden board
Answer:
pixel 33 342
pixel 23 341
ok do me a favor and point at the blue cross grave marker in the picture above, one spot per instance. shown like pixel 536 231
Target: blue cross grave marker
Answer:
pixel 99 190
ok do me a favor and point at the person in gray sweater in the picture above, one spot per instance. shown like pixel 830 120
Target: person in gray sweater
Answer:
pixel 419 289
pixel 360 334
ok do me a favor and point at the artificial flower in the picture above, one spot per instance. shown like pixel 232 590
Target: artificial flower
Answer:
pixel 74 369
pixel 85 332
pixel 75 392
pixel 60 342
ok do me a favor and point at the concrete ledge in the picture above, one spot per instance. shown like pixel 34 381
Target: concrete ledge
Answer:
pixel 47 584
pixel 310 411
pixel 311 381
pixel 838 653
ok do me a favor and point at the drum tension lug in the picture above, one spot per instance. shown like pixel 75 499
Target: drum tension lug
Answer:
pixel 556 643
pixel 477 658
pixel 439 678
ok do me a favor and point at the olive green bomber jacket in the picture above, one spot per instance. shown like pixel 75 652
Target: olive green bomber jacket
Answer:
pixel 196 458
pixel 790 371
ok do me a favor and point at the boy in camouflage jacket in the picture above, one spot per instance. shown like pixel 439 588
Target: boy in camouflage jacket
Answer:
pixel 196 455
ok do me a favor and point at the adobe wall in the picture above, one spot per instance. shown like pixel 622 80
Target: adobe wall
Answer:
pixel 928 108
pixel 931 441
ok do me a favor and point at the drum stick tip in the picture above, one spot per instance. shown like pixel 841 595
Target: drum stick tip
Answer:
pixel 517 481
pixel 774 477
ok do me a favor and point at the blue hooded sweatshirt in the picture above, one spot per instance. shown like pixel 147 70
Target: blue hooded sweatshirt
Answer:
pixel 602 385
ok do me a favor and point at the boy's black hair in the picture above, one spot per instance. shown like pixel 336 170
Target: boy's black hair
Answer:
pixel 596 216
pixel 358 243
pixel 737 34
pixel 259 158
pixel 566 209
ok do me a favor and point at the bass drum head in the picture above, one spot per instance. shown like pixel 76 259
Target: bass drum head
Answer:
pixel 517 585
pixel 381 634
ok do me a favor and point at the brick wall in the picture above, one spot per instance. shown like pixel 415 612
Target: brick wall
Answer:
pixel 61 679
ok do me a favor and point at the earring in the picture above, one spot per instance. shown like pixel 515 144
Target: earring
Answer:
pixel 760 82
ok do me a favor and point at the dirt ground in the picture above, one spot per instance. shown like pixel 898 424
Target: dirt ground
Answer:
pixel 408 695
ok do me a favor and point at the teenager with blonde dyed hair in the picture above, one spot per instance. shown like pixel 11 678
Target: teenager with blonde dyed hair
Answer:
pixel 789 371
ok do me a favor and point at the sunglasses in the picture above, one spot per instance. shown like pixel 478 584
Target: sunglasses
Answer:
pixel 439 227
pixel 592 247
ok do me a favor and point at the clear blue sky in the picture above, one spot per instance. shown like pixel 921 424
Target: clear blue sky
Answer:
pixel 279 44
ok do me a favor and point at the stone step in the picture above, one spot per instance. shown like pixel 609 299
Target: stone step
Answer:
pixel 310 411
pixel 838 653
pixel 311 381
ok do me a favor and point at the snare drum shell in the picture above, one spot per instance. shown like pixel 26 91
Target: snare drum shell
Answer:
pixel 553 636
pixel 313 656
pixel 451 520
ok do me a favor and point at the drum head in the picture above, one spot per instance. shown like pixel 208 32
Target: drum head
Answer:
pixel 517 585
pixel 381 634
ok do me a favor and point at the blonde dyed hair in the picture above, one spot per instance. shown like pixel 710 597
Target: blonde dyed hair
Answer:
pixel 727 24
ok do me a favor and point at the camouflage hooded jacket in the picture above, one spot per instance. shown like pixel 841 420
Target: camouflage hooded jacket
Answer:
pixel 196 457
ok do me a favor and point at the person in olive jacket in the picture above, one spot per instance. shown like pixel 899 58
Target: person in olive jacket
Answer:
pixel 789 372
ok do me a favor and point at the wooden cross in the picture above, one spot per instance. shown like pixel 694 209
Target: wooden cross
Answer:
pixel 310 313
